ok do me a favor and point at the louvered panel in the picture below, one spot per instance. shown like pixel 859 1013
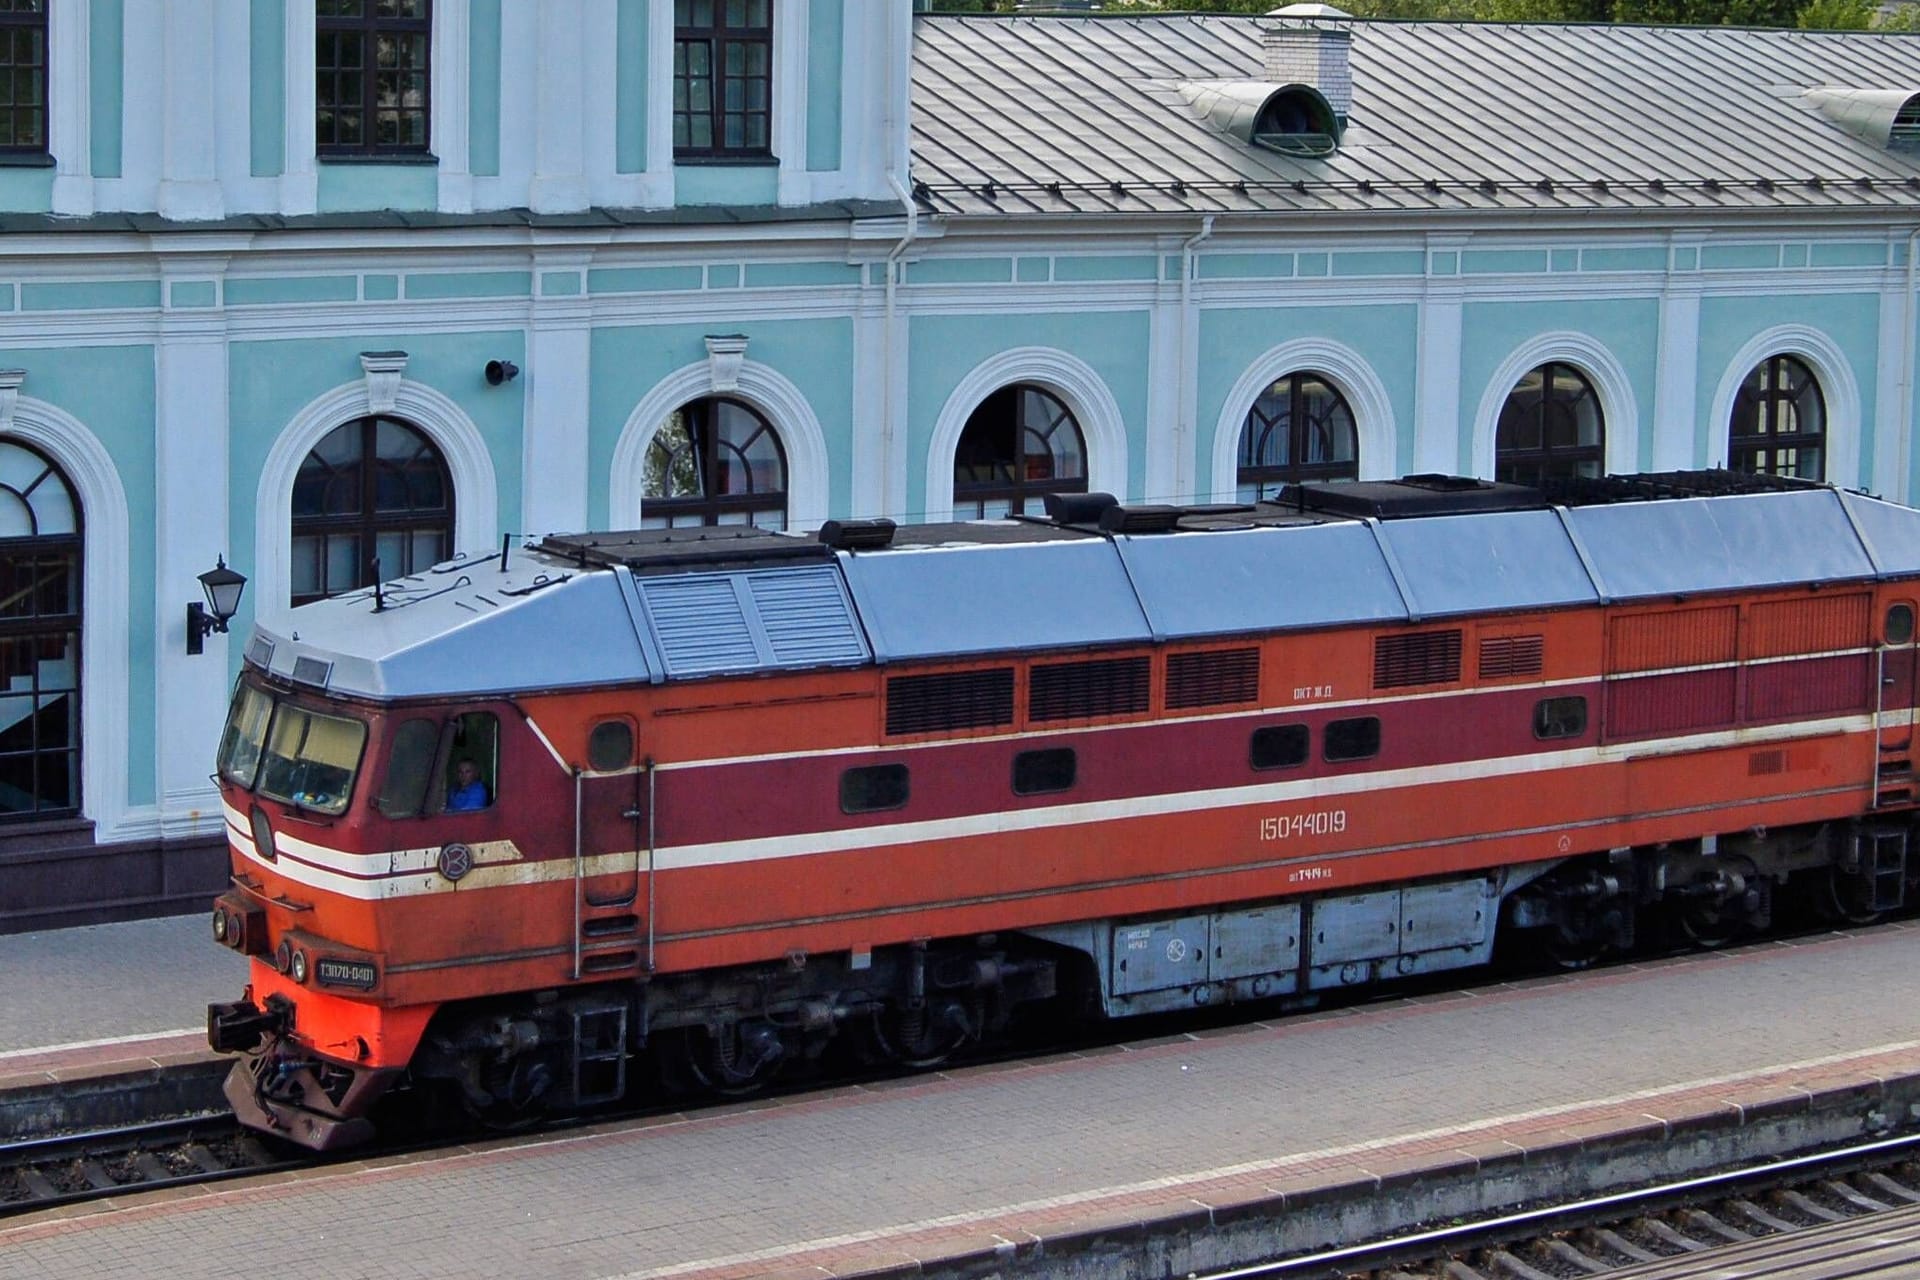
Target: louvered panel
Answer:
pixel 950 700
pixel 1821 686
pixel 1504 657
pixel 1423 657
pixel 700 625
pixel 1681 638
pixel 1076 690
pixel 805 616
pixel 1215 678
pixel 1817 625
pixel 1684 702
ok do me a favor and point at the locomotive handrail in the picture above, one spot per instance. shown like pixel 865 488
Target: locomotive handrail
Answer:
pixel 579 871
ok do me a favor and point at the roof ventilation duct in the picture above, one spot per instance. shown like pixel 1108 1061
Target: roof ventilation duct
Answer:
pixel 1884 117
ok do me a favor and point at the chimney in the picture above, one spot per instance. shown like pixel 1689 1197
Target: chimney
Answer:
pixel 1308 44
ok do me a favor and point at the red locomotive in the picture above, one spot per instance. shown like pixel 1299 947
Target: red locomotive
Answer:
pixel 724 796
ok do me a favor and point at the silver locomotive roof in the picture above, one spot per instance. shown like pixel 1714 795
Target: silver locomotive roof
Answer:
pixel 646 608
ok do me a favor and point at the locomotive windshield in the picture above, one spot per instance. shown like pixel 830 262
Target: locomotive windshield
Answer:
pixel 288 753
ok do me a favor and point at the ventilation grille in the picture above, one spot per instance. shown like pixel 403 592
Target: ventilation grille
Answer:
pixel 706 624
pixel 950 700
pixel 1503 657
pixel 1075 690
pixel 1683 638
pixel 700 625
pixel 806 619
pixel 1213 679
pixel 1425 657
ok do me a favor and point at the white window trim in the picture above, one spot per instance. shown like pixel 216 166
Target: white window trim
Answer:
pixel 1376 433
pixel 106 583
pixel 779 400
pixel 1839 390
pixel 1103 430
pixel 1619 411
pixel 476 514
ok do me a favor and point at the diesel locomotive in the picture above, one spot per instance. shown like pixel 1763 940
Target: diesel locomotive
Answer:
pixel 719 798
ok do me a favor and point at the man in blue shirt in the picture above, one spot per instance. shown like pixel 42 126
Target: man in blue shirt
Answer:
pixel 468 792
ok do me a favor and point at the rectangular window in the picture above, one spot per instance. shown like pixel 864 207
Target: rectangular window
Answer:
pixel 1355 739
pixel 722 77
pixel 409 768
pixel 1079 690
pixel 1214 678
pixel 950 700
pixel 1280 746
pixel 370 76
pixel 1038 772
pixel 1424 657
pixel 1559 717
pixel 470 752
pixel 873 787
pixel 23 76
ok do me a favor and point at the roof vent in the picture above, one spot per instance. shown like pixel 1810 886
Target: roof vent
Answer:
pixel 1885 117
pixel 1293 119
pixel 1077 508
pixel 1307 44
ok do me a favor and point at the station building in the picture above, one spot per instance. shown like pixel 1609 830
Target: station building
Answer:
pixel 329 291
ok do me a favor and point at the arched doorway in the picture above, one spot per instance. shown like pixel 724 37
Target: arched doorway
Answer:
pixel 40 619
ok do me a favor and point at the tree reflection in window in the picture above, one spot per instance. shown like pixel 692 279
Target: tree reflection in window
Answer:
pixel 715 461
pixel 1299 429
pixel 372 490
pixel 39 637
pixel 1020 443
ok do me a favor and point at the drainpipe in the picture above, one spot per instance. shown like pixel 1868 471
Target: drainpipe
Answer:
pixel 1185 428
pixel 1904 454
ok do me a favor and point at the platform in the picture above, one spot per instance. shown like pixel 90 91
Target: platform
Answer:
pixel 1296 1121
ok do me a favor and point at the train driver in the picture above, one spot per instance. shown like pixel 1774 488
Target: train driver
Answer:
pixel 468 791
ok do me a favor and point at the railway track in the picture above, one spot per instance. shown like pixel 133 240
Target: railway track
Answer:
pixel 46 1173
pixel 1852 1212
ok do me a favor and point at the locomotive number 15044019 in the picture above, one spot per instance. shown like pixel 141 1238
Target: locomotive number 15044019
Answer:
pixel 1314 822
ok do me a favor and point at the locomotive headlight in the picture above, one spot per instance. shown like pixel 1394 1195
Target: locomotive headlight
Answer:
pixel 299 967
pixel 283 956
pixel 219 925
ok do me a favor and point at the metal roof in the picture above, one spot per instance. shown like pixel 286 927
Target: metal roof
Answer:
pixel 1064 115
pixel 1015 587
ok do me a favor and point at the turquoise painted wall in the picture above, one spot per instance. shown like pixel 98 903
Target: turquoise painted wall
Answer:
pixel 111 391
pixel 26 190
pixel 741 184
pixel 483 88
pixel 267 88
pixel 269 382
pixel 630 88
pixel 1851 320
pixel 943 349
pixel 106 78
pixel 1492 331
pixel 825 88
pixel 628 361
pixel 358 186
pixel 1385 335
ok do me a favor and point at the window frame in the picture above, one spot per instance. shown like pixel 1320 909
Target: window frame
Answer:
pixel 717 38
pixel 1758 451
pixel 368 26
pixel 369 522
pixel 1035 759
pixel 1541 723
pixel 1547 464
pixel 703 437
pixel 1297 729
pixel 862 775
pixel 58 553
pixel 1328 736
pixel 13 21
pixel 1298 424
pixel 1017 490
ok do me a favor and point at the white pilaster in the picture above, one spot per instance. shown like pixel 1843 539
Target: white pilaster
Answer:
pixel 874 438
pixel 559 174
pixel 300 176
pixel 554 445
pixel 1676 426
pixel 1436 379
pixel 451 93
pixel 232 123
pixel 190 489
pixel 1892 412
pixel 69 117
pixel 190 177
pixel 789 119
pixel 1171 395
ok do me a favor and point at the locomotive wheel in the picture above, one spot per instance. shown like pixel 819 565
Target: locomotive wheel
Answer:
pixel 1848 898
pixel 733 1060
pixel 917 1038
pixel 519 1092
pixel 1708 925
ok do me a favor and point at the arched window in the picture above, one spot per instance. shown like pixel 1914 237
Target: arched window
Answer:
pixel 39 637
pixel 1779 422
pixel 715 461
pixel 1299 429
pixel 373 501
pixel 1550 428
pixel 1020 443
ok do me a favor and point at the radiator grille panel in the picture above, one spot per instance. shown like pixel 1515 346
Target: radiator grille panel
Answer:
pixel 1213 679
pixel 1076 690
pixel 1683 638
pixel 1424 657
pixel 1503 657
pixel 1819 625
pixel 950 700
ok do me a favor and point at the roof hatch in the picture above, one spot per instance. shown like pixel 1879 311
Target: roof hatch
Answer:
pixel 1885 117
pixel 1293 119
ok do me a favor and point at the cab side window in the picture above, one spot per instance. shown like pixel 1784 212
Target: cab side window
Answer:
pixel 471 773
pixel 409 768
